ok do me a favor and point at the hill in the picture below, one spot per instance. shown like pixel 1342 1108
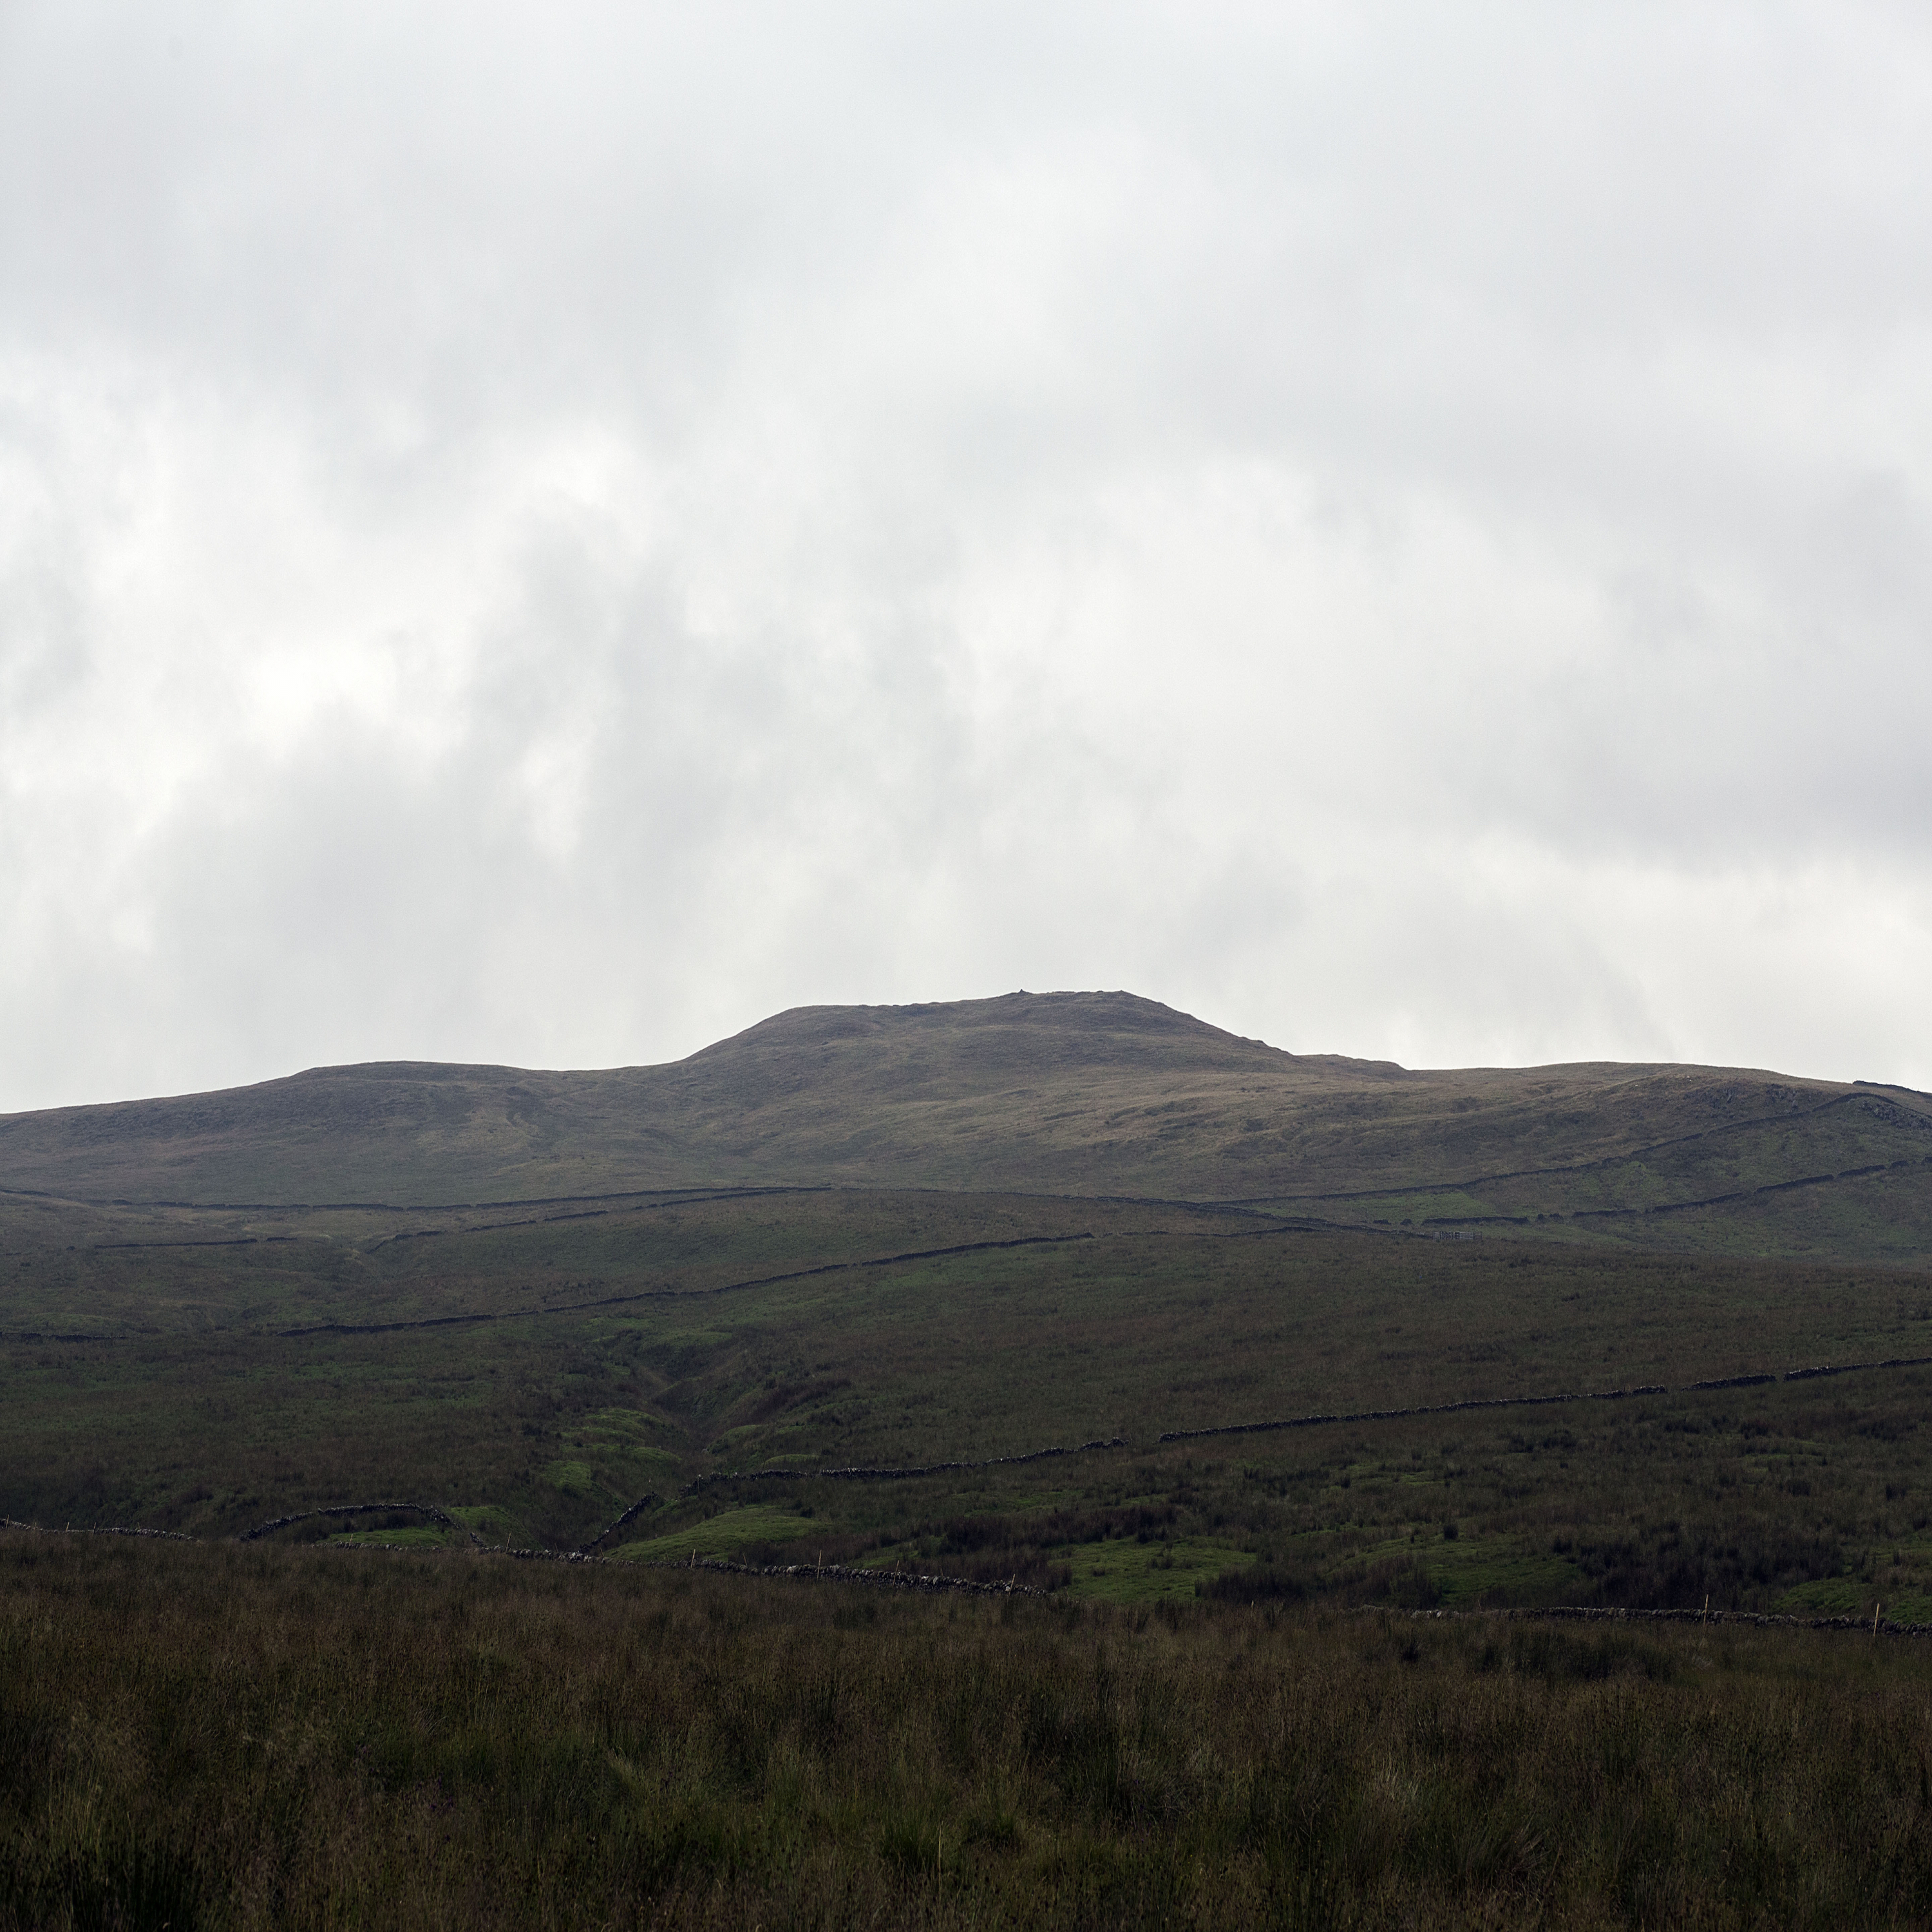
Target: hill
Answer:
pixel 1199 1429
pixel 1080 1093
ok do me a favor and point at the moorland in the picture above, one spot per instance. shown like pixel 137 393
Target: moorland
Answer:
pixel 1066 1093
pixel 1321 1348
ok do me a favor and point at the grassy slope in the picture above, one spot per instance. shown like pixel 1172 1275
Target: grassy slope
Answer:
pixel 1086 1093
pixel 205 1367
pixel 604 1356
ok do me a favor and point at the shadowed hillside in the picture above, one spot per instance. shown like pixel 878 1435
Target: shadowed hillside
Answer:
pixel 1070 1093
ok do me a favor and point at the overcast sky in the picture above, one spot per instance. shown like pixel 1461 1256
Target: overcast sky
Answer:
pixel 547 534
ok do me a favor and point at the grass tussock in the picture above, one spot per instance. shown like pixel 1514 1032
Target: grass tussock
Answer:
pixel 217 1737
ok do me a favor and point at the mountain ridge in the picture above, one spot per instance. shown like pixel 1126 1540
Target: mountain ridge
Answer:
pixel 1079 1093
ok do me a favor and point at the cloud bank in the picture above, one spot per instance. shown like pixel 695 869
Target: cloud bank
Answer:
pixel 546 538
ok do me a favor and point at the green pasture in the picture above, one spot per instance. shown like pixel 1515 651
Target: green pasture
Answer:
pixel 602 1358
pixel 1127 1572
pixel 727 1534
pixel 1468 1570
pixel 426 1537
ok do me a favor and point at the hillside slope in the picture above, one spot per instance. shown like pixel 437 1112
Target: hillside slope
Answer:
pixel 1075 1093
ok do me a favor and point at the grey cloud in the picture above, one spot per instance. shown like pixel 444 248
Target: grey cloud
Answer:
pixel 545 539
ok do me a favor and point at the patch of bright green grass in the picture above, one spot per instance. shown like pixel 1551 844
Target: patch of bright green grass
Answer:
pixel 1498 1571
pixel 491 1521
pixel 1126 1572
pixel 724 1535
pixel 636 1429
pixel 1469 1570
pixel 1854 1597
pixel 424 1537
pixel 572 1476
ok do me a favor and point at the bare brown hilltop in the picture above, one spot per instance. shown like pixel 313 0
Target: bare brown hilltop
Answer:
pixel 1066 1093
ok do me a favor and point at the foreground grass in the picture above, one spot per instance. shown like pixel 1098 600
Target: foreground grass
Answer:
pixel 219 1736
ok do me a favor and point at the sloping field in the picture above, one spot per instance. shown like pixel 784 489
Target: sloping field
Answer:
pixel 1075 1094
pixel 873 1376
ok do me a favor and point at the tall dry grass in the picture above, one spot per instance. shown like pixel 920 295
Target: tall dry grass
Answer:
pixel 210 1736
